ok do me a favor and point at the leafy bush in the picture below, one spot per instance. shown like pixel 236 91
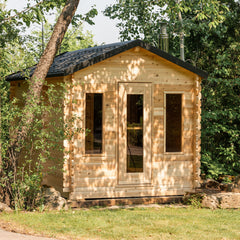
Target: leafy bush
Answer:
pixel 44 144
pixel 220 127
pixel 193 199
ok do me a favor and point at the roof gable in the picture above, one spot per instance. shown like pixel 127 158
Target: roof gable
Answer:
pixel 70 62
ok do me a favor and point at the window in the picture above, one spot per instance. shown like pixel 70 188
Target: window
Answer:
pixel 173 122
pixel 93 121
pixel 134 133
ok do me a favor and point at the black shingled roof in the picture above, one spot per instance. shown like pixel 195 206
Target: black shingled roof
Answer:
pixel 70 62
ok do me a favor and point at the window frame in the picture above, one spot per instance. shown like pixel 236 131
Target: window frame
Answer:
pixel 136 178
pixel 129 105
pixel 182 121
pixel 103 125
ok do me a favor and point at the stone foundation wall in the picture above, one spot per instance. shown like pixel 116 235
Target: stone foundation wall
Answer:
pixel 220 195
pixel 221 200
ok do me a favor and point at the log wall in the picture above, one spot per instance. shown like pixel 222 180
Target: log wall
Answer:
pixel 87 176
pixel 97 176
pixel 50 177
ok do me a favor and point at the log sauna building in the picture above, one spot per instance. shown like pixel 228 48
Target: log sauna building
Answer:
pixel 142 108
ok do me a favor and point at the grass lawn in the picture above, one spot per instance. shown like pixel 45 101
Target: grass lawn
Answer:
pixel 136 223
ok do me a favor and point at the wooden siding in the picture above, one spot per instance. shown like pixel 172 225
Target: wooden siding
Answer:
pixel 55 179
pixel 97 176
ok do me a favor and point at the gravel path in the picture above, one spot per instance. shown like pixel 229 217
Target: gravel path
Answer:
pixel 4 235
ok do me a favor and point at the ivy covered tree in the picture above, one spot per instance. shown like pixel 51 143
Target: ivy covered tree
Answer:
pixel 18 124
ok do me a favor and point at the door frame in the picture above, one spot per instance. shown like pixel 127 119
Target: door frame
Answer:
pixel 125 177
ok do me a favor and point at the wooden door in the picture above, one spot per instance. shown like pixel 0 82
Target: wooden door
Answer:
pixel 134 133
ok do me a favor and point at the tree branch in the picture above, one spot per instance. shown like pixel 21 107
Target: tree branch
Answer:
pixel 19 13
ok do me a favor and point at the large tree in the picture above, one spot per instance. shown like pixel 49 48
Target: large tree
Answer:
pixel 36 82
pixel 40 73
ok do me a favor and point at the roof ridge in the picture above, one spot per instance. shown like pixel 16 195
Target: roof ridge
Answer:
pixel 69 62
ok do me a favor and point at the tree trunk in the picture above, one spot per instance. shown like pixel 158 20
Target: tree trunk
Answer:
pixel 35 87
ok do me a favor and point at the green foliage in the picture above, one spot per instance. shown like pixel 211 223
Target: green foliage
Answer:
pixel 86 18
pixel 44 144
pixel 216 50
pixel 27 191
pixel 220 124
pixel 141 19
pixel 194 199
pixel 21 181
pixel 74 39
pixel 227 180
pixel 13 22
pixel 219 53
pixel 9 31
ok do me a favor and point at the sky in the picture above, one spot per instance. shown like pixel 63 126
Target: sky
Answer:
pixel 104 30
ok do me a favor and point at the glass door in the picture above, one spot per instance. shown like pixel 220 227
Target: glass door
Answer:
pixel 134 133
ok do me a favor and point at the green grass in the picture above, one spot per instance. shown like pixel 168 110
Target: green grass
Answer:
pixel 138 223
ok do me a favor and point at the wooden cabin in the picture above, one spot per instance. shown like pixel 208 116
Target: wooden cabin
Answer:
pixel 142 107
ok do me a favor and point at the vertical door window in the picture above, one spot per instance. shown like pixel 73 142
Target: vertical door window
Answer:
pixel 134 133
pixel 173 122
pixel 93 120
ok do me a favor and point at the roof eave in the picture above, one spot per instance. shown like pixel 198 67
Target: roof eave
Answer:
pixel 128 45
